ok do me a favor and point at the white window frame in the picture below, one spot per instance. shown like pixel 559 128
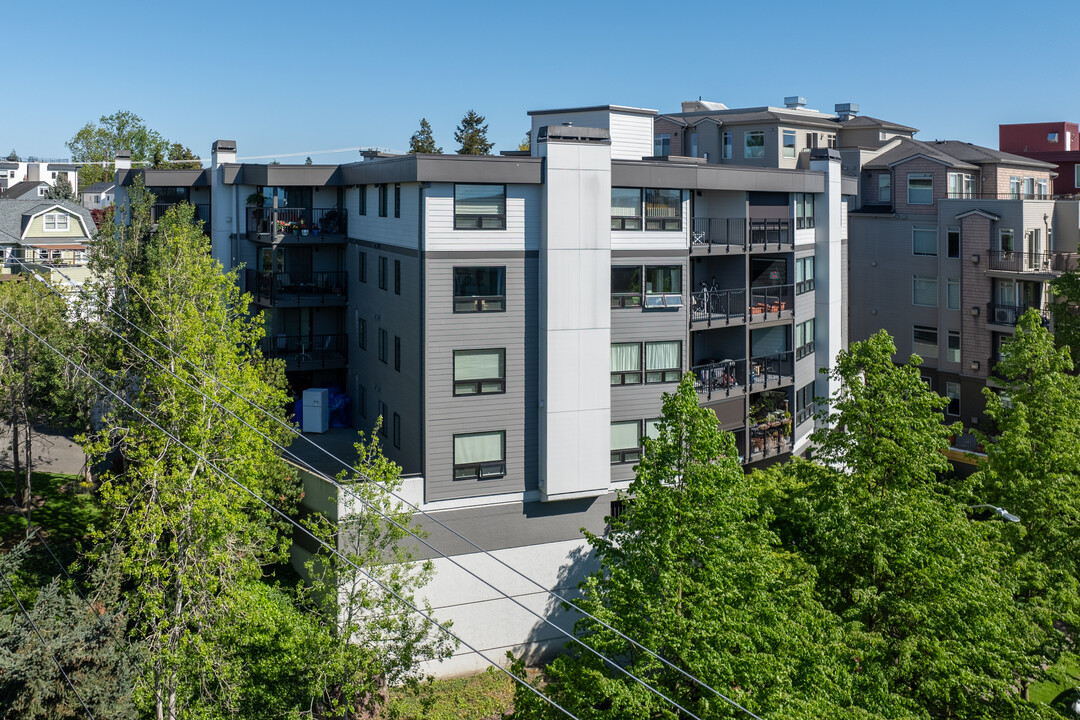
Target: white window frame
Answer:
pixel 927 282
pixel 920 176
pixel 57 226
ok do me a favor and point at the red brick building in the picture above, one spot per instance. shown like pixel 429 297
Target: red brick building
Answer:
pixel 1053 142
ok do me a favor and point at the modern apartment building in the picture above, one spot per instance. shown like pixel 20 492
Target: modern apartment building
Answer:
pixel 515 320
pixel 950 244
pixel 1052 142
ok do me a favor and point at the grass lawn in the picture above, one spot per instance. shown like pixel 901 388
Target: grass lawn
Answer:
pixel 1064 692
pixel 486 696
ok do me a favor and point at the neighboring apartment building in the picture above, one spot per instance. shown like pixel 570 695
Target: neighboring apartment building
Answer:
pixel 952 242
pixel 515 321
pixel 1052 142
pixel 48 237
pixel 18 179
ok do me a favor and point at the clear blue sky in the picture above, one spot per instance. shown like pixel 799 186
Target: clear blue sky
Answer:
pixel 297 77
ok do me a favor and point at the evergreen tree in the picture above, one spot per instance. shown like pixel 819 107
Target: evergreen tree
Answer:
pixel 62 190
pixel 471 134
pixel 422 141
pixel 13 156
pixel 308 161
pixel 181 158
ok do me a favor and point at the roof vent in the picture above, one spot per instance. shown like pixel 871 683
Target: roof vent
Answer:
pixel 846 111
pixel 795 102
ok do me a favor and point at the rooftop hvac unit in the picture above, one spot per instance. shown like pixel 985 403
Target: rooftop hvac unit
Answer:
pixel 1005 316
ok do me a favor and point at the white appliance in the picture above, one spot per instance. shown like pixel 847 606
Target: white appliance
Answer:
pixel 316 414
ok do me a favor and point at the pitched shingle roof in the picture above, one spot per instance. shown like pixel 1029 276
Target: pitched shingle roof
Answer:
pixel 21 189
pixel 952 153
pixel 101 186
pixel 15 215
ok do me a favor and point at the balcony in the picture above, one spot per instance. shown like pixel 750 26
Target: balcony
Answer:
pixel 769 443
pixel 297 225
pixel 202 212
pixel 772 371
pixel 307 352
pixel 1004 195
pixel 721 235
pixel 720 379
pixel 721 306
pixel 774 302
pixel 771 235
pixel 298 289
pixel 1009 315
pixel 1052 263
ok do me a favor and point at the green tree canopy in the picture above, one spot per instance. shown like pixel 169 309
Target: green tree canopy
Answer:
pixel 181 158
pixel 422 141
pixel 98 142
pixel 471 135
pixel 62 190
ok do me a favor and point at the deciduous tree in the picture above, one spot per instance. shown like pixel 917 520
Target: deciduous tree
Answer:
pixel 98 142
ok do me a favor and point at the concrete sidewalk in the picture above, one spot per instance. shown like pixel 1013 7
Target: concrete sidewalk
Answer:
pixel 52 452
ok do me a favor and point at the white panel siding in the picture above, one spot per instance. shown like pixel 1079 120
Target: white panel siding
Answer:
pixel 400 232
pixel 522 222
pixel 631 136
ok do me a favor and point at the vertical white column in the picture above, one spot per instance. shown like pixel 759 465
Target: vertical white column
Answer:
pixel 575 320
pixel 223 206
pixel 828 270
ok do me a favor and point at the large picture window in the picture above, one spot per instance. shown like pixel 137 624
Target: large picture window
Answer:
pixel 663 209
pixel 625 442
pixel 479 207
pixel 924 290
pixel 626 363
pixel 480 456
pixel 925 341
pixel 924 241
pixel 663 361
pixel 754 144
pixel 479 372
pixel 920 189
pixel 625 209
pixel 479 289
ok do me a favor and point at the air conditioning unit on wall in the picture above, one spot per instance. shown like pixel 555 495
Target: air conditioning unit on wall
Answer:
pixel 1005 316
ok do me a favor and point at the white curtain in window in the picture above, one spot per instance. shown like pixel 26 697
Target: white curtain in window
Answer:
pixel 481 447
pixel 662 355
pixel 625 357
pixel 477 364
pixel 625 435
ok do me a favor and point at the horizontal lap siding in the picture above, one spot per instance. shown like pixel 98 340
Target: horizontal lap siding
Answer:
pixel 522 222
pixel 513 412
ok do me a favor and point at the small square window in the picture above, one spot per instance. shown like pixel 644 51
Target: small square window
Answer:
pixel 925 341
pixel 479 372
pixel 924 241
pixel 479 207
pixel 625 442
pixel 1052 137
pixel 920 189
pixel 924 290
pixel 663 361
pixel 479 289
pixel 625 363
pixel 625 209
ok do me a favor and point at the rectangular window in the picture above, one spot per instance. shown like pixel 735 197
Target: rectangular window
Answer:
pixel 56 222
pixel 804 339
pixel 625 209
pixel 479 207
pixel 1029 188
pixel 652 429
pixel 362 269
pixel 920 189
pixel 397 353
pixel 382 199
pixel 479 372
pixel 663 361
pixel 725 151
pixel 961 185
pixel 397 200
pixel 1014 188
pixel 953 241
pixel 924 241
pixel 952 352
pixel 663 286
pixel 1006 240
pixel 382 273
pixel 789 143
pixel 361 333
pixel 363 199
pixel 804 275
pixel 1076 175
pixel 662 145
pixel 625 442
pixel 397 430
pixel 383 342
pixel 754 144
pixel 1052 137
pixel 884 188
pixel 397 277
pixel 953 287
pixel 693 144
pixel 924 341
pixel 625 363
pixel 663 209
pixel 626 287
pixel 804 404
pixel 479 289
pixel 804 210
pixel 1043 189
pixel 480 456
pixel 924 290
pixel 384 413
pixel 952 391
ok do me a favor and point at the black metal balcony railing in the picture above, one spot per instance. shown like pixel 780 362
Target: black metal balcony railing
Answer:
pixel 720 234
pixel 298 220
pixel 764 444
pixel 772 302
pixel 307 351
pixel 720 378
pixel 1026 262
pixel 770 371
pixel 770 234
pixel 317 288
pixel 202 212
pixel 1011 314
pixel 720 305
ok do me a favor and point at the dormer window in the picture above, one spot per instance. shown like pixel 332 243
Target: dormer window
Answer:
pixel 56 222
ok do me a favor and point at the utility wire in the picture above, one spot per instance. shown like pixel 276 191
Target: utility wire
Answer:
pixel 209 463
pixel 345 489
pixel 40 638
pixel 552 593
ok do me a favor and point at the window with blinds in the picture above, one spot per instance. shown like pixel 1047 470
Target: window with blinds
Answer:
pixel 479 372
pixel 663 209
pixel 480 456
pixel 479 207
